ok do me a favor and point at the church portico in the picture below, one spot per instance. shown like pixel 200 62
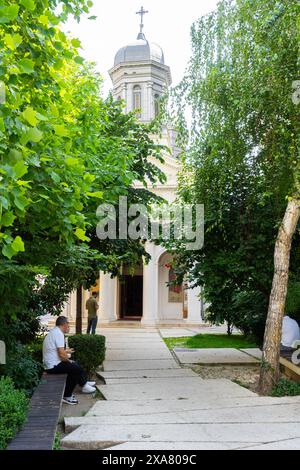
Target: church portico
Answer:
pixel 145 295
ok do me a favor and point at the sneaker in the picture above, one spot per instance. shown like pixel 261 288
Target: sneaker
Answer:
pixel 70 400
pixel 88 389
pixel 92 384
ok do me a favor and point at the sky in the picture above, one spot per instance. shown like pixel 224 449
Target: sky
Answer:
pixel 168 24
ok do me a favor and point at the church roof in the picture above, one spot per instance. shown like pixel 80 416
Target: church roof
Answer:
pixel 140 50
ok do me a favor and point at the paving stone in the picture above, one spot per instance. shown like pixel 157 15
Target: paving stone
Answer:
pixel 255 352
pixel 267 414
pixel 288 444
pixel 141 406
pixel 93 437
pixel 140 364
pixel 134 374
pixel 213 356
pixel 135 345
pixel 179 446
pixel 174 389
pixel 153 403
pixel 141 380
pixel 125 355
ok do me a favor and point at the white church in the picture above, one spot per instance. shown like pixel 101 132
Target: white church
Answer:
pixel 140 78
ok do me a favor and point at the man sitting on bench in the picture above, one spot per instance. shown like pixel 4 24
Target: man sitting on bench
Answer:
pixel 57 360
pixel 290 333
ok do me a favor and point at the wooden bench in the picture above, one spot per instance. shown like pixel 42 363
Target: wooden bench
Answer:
pixel 38 432
pixel 291 370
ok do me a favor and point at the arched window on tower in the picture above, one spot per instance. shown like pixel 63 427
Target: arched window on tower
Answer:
pixel 156 105
pixel 137 99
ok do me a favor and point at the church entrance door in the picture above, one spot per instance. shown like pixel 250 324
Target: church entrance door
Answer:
pixel 131 298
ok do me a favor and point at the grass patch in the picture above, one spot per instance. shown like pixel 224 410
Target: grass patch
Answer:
pixel 57 442
pixel 286 388
pixel 211 341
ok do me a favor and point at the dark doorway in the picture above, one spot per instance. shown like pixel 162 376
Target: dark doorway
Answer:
pixel 131 300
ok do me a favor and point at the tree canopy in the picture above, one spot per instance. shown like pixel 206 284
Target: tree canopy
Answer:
pixel 63 151
pixel 242 160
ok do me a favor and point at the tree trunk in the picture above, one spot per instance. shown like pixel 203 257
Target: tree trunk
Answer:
pixel 79 311
pixel 269 372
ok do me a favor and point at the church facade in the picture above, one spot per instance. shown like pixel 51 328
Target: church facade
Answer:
pixel 140 78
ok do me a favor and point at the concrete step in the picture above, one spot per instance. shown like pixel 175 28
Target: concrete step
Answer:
pixel 174 389
pixel 97 437
pixel 138 407
pixel 144 364
pixel 248 414
pixel 145 374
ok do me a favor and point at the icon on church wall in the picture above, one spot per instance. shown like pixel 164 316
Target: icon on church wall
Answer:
pixel 175 290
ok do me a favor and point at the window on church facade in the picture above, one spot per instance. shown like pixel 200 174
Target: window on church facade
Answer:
pixel 137 99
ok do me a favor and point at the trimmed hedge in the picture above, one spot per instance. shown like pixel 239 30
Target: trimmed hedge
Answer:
pixel 13 410
pixel 89 351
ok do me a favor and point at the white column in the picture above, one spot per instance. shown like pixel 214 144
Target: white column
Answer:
pixel 194 305
pixel 107 299
pixel 72 306
pixel 150 289
pixel 149 103
pixel 85 296
pixel 129 98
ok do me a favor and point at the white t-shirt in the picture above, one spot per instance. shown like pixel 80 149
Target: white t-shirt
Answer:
pixel 290 331
pixel 54 339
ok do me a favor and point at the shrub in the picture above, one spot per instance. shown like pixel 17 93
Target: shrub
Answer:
pixel 13 408
pixel 22 368
pixel 35 349
pixel 286 388
pixel 89 351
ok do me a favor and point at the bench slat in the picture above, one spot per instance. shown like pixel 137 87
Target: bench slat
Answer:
pixel 38 432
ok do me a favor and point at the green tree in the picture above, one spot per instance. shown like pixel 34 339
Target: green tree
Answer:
pixel 243 156
pixel 63 151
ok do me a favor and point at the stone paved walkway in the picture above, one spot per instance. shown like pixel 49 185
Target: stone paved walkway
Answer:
pixel 154 403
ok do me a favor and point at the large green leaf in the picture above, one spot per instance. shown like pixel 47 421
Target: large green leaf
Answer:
pixel 35 135
pixel 80 233
pixel 7 219
pixel 18 244
pixel 12 40
pixel 30 115
pixel 26 66
pixel 29 4
pixel 8 13
pixel 20 169
pixel 61 130
pixel 8 251
pixel 21 202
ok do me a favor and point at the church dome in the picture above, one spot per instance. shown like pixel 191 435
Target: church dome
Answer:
pixel 140 50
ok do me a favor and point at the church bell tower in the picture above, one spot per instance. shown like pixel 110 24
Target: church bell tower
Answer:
pixel 140 76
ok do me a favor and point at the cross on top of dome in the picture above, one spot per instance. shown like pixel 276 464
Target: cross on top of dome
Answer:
pixel 142 12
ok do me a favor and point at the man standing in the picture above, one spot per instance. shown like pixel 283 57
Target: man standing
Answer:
pixel 92 307
pixel 57 360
